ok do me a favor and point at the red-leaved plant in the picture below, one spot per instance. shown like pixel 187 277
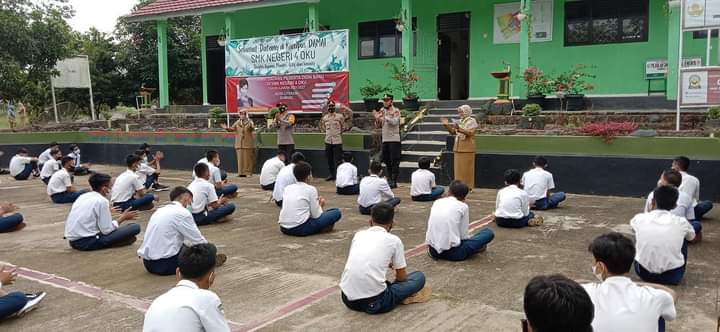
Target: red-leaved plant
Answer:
pixel 608 130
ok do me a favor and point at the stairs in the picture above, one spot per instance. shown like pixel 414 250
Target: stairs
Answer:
pixel 426 139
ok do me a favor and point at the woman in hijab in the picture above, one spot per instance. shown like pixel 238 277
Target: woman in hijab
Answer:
pixel 244 130
pixel 464 148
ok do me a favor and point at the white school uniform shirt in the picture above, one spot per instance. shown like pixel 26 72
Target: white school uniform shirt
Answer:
pixel 371 252
pixel 622 305
pixel 659 237
pixel 422 182
pixel 284 178
pixel 59 182
pixel 537 182
pixel 346 175
pixel 49 168
pixel 186 308
pixel 448 224
pixel 691 186
pixel 76 157
pixel 373 189
pixel 300 204
pixel 125 187
pixel 203 194
pixel 17 164
pixel 684 205
pixel 270 170
pixel 45 156
pixel 168 228
pixel 512 203
pixel 144 171
pixel 215 175
pixel 90 215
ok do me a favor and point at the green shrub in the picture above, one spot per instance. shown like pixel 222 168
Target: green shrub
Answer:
pixel 531 110
pixel 216 113
pixel 373 90
pixel 128 111
pixel 714 113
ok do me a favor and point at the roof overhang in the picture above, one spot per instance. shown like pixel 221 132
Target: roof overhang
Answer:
pixel 213 10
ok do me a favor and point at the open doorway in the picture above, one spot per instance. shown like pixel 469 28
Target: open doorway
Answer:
pixel 215 71
pixel 453 76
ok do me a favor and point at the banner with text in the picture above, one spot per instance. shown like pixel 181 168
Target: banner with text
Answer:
pixel 312 52
pixel 700 87
pixel 301 92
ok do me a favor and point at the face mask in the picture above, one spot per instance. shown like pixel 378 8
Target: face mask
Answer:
pixel 596 274
pixel 189 208
pixel 331 110
pixel 77 151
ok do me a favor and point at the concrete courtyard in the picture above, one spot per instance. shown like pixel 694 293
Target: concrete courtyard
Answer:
pixel 274 282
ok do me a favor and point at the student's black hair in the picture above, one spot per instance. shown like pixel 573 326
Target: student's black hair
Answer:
pixel 376 167
pixel 557 304
pixel 297 157
pixel 201 170
pixel 614 250
pixel 65 160
pixel 540 161
pixel 211 154
pixel 54 144
pixel 73 146
pixel 665 197
pixel 347 157
pixel 459 190
pixel 98 180
pixel 302 171
pixel 131 159
pixel 144 146
pixel 424 162
pixel 198 260
pixel 672 177
pixel 682 162
pixel 382 213
pixel 179 191
pixel 282 153
pixel 54 151
pixel 140 153
pixel 22 150
pixel 512 176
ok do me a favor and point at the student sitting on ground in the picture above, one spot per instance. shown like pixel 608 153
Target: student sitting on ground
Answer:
pixel 621 304
pixel 302 209
pixel 90 225
pixel 286 177
pixel 209 156
pixel 374 189
pixel 537 183
pixel 661 240
pixel 206 207
pixel 80 169
pixel 9 220
pixel 22 165
pixel 373 251
pixel 190 305
pixel 557 304
pixel 60 186
pixel 683 206
pixel 270 170
pixel 212 160
pixel 16 304
pixel 691 186
pixel 48 154
pixel 512 205
pixel 422 186
pixel 448 235
pixel 148 176
pixel 346 181
pixel 128 192
pixel 169 227
pixel 153 160
pixel 51 166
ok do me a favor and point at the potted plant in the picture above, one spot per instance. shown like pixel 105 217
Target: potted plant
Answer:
pixel 403 116
pixel 538 84
pixel 407 79
pixel 370 92
pixel 713 118
pixel 215 114
pixel 572 85
pixel 531 118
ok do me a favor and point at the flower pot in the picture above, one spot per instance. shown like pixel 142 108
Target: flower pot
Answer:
pixel 536 99
pixel 371 104
pixel 575 102
pixel 533 122
pixel 411 104
pixel 269 122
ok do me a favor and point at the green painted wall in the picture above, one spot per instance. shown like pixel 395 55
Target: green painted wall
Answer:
pixel 619 67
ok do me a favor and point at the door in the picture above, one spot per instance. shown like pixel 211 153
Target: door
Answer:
pixel 453 76
pixel 215 71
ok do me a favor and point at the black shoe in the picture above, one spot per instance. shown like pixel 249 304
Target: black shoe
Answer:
pixel 4 171
pixel 159 187
pixel 393 184
pixel 331 178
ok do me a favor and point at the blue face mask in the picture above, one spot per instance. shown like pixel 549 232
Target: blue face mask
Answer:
pixel 189 208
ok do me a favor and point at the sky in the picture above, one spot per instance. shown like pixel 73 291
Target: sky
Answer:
pixel 102 14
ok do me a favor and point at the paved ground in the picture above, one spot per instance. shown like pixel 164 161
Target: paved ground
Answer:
pixel 273 282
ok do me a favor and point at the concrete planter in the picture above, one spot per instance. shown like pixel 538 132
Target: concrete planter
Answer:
pixel 712 124
pixel 575 102
pixel 371 104
pixel 411 104
pixel 532 122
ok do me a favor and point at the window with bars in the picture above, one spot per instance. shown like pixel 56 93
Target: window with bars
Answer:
pixel 589 22
pixel 380 39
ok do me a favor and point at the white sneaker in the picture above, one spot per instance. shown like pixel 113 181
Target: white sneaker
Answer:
pixel 33 301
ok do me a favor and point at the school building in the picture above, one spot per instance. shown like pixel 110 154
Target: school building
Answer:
pixel 455 44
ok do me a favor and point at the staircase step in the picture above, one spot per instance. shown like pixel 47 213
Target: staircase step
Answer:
pixel 414 165
pixel 438 136
pixel 422 153
pixel 423 142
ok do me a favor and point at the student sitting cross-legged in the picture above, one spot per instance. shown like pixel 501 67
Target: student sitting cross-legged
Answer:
pixel 422 186
pixel 372 253
pixel 128 192
pixel 60 186
pixel 691 186
pixel 48 153
pixel 621 304
pixel 683 206
pixel 190 305
pixel 206 207
pixel 512 205
pixel 448 236
pixel 16 304
pixel 285 178
pixel 10 221
pixel 80 168
pixel 22 165
pixel 217 176
pixel 302 209
pixel 51 165
pixel 374 189
pixel 169 227
pixel 537 183
pixel 346 180
pixel 270 170
pixel 90 225
pixel 661 240
pixel 148 175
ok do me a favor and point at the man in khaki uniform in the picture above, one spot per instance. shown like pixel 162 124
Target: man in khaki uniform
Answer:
pixel 333 123
pixel 388 117
pixel 244 130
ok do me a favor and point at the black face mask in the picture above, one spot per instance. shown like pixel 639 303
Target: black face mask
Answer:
pixel 331 110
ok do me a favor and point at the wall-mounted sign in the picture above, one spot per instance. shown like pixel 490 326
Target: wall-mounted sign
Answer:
pixel 658 68
pixel 700 87
pixel 700 14
pixel 506 23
